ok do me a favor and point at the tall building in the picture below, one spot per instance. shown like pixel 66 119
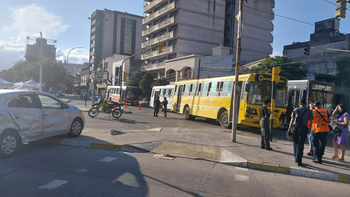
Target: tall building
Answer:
pixel 113 32
pixel 197 26
pixel 33 50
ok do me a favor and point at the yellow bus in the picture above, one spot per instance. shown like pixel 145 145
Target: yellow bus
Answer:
pixel 212 98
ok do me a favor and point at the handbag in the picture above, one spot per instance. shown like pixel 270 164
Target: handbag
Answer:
pixel 338 131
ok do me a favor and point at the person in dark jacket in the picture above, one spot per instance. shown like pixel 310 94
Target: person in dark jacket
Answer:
pixel 165 104
pixel 264 124
pixel 156 107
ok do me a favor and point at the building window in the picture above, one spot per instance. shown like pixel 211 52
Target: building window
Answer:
pixel 187 73
pixel 128 31
pixel 171 75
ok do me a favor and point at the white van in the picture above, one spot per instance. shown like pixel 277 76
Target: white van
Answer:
pixel 163 91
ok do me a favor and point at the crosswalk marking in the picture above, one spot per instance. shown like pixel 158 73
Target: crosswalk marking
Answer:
pixel 241 178
pixel 107 159
pixel 53 184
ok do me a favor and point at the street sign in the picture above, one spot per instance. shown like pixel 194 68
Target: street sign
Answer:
pixel 98 75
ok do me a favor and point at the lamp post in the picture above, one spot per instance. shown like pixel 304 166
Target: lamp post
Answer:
pixel 65 80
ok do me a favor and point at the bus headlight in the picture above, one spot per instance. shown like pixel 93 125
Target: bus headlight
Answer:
pixel 251 111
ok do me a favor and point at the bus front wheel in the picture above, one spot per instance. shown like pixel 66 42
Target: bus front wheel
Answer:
pixel 187 114
pixel 224 121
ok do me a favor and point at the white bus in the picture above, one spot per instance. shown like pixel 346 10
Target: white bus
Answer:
pixel 130 94
pixel 163 91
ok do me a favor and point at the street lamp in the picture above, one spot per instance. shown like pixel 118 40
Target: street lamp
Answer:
pixel 67 63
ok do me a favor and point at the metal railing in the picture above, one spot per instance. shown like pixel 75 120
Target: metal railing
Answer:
pixel 160 38
pixel 159 12
pixel 158 26
pixel 152 4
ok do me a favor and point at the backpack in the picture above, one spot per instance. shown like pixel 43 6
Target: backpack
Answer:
pixel 298 126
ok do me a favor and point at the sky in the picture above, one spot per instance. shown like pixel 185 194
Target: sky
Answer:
pixel 66 21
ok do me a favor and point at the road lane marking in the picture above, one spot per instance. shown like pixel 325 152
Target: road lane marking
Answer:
pixel 241 178
pixel 108 159
pixel 81 171
pixel 53 184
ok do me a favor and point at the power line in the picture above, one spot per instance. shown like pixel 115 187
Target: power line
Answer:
pixel 333 3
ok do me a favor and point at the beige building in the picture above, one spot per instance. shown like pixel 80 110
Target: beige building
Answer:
pixel 196 26
pixel 33 50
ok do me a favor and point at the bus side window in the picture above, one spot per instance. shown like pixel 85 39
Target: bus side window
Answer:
pixel 199 90
pixel 213 89
pixel 204 91
pixel 187 90
pixel 191 90
pixel 194 90
pixel 175 89
pixel 226 89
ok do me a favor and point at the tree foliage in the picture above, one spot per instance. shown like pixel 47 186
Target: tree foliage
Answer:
pixel 289 69
pixel 54 74
pixel 343 71
pixel 135 79
pixel 160 82
pixel 145 84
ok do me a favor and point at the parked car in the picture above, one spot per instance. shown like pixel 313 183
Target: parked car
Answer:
pixel 59 94
pixel 27 116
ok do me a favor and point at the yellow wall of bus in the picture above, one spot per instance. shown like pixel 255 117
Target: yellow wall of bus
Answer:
pixel 209 106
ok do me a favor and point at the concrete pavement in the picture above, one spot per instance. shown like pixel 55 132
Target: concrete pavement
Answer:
pixel 212 146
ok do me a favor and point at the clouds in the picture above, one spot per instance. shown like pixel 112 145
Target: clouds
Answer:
pixel 31 19
pixel 78 56
pixel 26 20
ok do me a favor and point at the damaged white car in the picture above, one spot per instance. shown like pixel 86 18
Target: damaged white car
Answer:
pixel 27 116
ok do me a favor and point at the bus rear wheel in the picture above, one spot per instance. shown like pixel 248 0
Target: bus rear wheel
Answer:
pixel 187 114
pixel 224 121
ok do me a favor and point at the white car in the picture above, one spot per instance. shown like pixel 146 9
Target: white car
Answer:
pixel 27 116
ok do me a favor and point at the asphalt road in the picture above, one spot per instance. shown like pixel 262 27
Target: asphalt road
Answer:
pixel 57 170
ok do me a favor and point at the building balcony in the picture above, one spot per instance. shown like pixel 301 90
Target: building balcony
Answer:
pixel 154 54
pixel 152 5
pixel 162 38
pixel 159 13
pixel 93 37
pixel 154 66
pixel 92 45
pixel 159 26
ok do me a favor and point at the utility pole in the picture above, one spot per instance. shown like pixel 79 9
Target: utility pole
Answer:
pixel 274 79
pixel 235 89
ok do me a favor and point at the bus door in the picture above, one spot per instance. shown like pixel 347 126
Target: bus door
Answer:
pixel 293 102
pixel 179 95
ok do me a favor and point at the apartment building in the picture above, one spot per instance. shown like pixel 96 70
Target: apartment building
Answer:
pixel 48 50
pixel 196 26
pixel 113 32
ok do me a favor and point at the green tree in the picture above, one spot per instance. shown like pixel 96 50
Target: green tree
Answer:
pixel 135 79
pixel 160 82
pixel 289 69
pixel 145 84
pixel 343 71
pixel 6 75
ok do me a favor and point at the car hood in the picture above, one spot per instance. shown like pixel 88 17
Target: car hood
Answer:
pixel 73 107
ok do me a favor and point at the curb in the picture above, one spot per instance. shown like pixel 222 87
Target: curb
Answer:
pixel 226 158
pixel 86 144
pixel 303 172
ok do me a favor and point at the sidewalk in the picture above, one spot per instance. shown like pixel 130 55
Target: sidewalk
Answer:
pixel 213 146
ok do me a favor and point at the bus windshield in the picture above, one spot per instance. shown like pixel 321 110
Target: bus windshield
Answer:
pixel 326 98
pixel 260 91
pixel 132 93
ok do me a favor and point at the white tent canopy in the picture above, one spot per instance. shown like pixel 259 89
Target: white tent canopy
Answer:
pixel 5 84
pixel 31 84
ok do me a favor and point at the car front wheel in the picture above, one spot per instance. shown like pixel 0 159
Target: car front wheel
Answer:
pixel 76 128
pixel 10 142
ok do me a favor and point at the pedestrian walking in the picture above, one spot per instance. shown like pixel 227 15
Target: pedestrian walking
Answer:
pixel 341 114
pixel 86 97
pixel 321 129
pixel 299 129
pixel 264 124
pixel 309 136
pixel 156 107
pixel 165 105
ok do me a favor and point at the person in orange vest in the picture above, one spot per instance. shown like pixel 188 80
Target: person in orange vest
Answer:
pixel 321 129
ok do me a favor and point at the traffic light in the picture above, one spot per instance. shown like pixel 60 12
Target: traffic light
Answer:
pixel 275 74
pixel 307 49
pixel 160 47
pixel 341 7
pixel 125 77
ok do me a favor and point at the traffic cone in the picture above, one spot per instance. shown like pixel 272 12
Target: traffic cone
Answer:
pixel 139 105
pixel 126 105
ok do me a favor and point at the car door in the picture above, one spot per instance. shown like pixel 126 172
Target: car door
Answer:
pixel 27 115
pixel 55 115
